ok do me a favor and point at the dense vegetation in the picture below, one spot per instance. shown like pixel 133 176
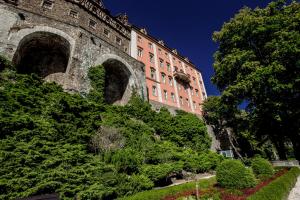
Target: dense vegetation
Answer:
pixel 53 141
pixel 257 65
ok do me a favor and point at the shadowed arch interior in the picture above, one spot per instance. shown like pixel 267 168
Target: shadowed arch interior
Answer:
pixel 42 53
pixel 117 78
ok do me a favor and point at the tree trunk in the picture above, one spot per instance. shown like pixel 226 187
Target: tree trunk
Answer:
pixel 296 145
pixel 281 150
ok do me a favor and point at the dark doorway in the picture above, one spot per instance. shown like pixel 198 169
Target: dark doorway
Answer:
pixel 42 53
pixel 116 81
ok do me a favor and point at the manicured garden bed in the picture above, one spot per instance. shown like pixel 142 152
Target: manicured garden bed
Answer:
pixel 274 188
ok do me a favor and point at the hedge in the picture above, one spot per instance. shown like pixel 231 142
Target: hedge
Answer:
pixel 161 193
pixel 278 189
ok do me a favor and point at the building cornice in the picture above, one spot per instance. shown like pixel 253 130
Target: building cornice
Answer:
pixel 174 52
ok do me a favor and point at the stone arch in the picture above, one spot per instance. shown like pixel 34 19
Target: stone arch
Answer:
pixel 18 37
pixel 119 79
pixel 43 53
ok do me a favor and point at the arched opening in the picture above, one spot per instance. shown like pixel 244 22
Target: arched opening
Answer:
pixel 42 53
pixel 117 78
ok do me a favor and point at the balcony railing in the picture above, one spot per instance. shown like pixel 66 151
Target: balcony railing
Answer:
pixel 179 75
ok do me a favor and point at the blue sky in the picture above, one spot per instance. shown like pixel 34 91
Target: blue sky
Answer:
pixel 185 25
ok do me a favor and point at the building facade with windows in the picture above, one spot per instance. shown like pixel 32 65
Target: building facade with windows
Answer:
pixel 172 80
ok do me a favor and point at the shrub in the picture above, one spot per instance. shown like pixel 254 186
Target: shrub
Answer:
pixel 262 168
pixel 5 63
pixel 279 188
pixel 203 162
pixel 233 174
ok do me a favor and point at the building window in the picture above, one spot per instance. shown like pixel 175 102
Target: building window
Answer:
pixel 165 94
pixel 154 91
pixel 197 93
pixel 161 62
pixel 187 102
pixel 159 51
pixel 179 86
pixel 163 77
pixel 181 100
pixel 140 52
pixel 106 33
pixel 175 68
pixel 170 81
pixel 48 4
pixel 74 14
pixel 173 97
pixel 168 67
pixel 151 56
pixel 92 24
pixel 150 46
pixel 153 72
pixel 119 41
pixel 195 105
pixel 192 91
pixel 194 79
pixel 139 39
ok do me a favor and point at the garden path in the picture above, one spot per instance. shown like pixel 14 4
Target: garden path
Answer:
pixel 295 193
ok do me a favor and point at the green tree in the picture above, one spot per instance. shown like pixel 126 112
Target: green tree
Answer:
pixel 258 62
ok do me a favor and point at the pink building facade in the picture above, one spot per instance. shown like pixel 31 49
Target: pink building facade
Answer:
pixel 172 80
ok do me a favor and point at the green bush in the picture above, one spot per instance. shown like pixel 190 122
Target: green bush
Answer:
pixel 262 168
pixel 279 188
pixel 5 63
pixel 233 174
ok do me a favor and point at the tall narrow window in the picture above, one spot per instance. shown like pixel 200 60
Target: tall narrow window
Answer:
pixel 170 81
pixel 151 57
pixel 154 91
pixel 192 91
pixel 153 73
pixel 166 94
pixel 195 105
pixel 161 62
pixel 187 102
pixel 140 52
pixel 173 97
pixel 150 46
pixel 168 67
pixel 197 93
pixel 163 77
pixel 181 100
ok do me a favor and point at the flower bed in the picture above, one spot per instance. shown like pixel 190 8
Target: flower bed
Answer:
pixel 242 194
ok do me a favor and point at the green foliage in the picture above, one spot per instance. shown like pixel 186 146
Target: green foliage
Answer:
pixel 257 63
pixel 203 162
pixel 161 193
pixel 53 141
pixel 5 63
pixel 262 168
pixel 97 78
pixel 234 175
pixel 278 189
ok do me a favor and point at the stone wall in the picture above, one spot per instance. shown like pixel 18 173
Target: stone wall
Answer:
pixel 87 46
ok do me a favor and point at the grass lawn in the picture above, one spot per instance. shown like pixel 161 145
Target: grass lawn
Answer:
pixel 160 193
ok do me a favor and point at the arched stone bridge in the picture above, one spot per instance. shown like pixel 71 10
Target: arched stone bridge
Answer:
pixel 61 39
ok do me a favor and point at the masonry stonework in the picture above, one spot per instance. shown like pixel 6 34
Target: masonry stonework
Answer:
pixel 69 39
